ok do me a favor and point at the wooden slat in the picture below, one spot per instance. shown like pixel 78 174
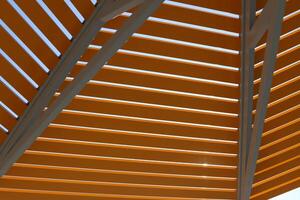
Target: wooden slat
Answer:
pixel 10 74
pixel 65 15
pixel 84 7
pixel 142 125
pixel 195 17
pixel 2 136
pixel 146 45
pixel 101 163
pixel 194 70
pixel 290 24
pixel 45 24
pixel 109 188
pixel 224 5
pixel 285 117
pixel 135 78
pixel 282 76
pixel 278 159
pixel 282 61
pixel 151 112
pixel 27 35
pixel 21 58
pixel 284 105
pixel 118 176
pixel 292 128
pixel 270 175
pixel 182 33
pixel 6 119
pixel 279 190
pixel 286 89
pixel 10 100
pixel 131 152
pixel 105 90
pixel 138 139
pixel 285 179
pixel 280 146
pixel 29 194
pixel 285 43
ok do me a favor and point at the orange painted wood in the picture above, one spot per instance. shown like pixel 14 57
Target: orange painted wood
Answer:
pixel 182 33
pixel 142 125
pixel 27 35
pixel 45 24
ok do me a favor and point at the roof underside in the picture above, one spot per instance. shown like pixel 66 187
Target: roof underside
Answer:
pixel 161 119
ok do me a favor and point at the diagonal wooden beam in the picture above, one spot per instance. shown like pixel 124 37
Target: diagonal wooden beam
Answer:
pixel 36 119
pixel 269 21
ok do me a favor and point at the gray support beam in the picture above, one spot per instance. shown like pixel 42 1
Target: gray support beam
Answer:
pixel 270 21
pixel 24 133
pixel 246 91
pixel 274 30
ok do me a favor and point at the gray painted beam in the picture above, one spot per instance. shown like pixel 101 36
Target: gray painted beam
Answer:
pixel 246 92
pixel 25 132
pixel 274 30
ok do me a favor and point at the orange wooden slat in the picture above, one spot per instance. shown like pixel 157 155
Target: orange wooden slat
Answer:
pixel 65 15
pixel 290 24
pixel 144 125
pixel 45 24
pixel 85 8
pixel 284 105
pixel 117 176
pixel 292 114
pixel 182 33
pixel 278 159
pixel 289 142
pixel 282 76
pixel 29 194
pixel 6 119
pixel 103 90
pixel 10 74
pixel 142 166
pixel 132 152
pixel 10 100
pixel 21 58
pixel 138 139
pixel 151 112
pixel 285 43
pixel 194 70
pixel 286 89
pixel 285 179
pixel 284 118
pixel 282 61
pixel 146 45
pixel 232 6
pixel 195 17
pixel 121 76
pixel 3 136
pixel 111 188
pixel 281 133
pixel 275 172
pixel 279 190
pixel 27 35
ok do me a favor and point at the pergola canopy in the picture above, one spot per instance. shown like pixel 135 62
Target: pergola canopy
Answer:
pixel 164 113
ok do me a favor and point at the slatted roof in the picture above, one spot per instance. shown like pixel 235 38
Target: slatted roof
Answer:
pixel 161 119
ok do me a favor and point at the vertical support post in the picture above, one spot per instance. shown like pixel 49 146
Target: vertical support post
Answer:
pixel 270 21
pixel 246 91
